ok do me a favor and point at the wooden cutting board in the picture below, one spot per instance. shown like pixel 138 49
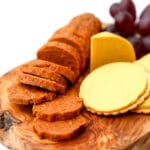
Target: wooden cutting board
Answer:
pixel 128 131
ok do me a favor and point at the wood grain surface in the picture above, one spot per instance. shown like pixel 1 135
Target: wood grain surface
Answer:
pixel 128 131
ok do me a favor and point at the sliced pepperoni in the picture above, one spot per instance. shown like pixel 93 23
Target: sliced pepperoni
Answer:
pixel 62 70
pixel 43 73
pixel 62 108
pixel 24 95
pixel 62 54
pixel 66 36
pixel 41 82
pixel 59 130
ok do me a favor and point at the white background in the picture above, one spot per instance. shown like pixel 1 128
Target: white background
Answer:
pixel 25 25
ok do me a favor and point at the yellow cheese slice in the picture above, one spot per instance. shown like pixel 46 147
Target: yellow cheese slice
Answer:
pixel 107 47
pixel 113 87
pixel 144 107
pixel 144 62
pixel 145 104
pixel 142 110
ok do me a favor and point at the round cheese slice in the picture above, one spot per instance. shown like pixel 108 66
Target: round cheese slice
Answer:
pixel 144 107
pixel 113 87
pixel 108 47
pixel 144 62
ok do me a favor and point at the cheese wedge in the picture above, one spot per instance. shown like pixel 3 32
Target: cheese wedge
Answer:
pixel 107 47
pixel 114 87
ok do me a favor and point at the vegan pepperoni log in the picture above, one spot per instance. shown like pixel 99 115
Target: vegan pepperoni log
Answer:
pixel 61 59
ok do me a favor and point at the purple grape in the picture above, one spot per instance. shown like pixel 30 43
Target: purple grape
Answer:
pixel 124 5
pixel 146 43
pixel 112 28
pixel 146 12
pixel 137 45
pixel 114 9
pixel 124 23
pixel 143 26
pixel 129 6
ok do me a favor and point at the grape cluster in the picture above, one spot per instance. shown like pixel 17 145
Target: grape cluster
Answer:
pixel 126 24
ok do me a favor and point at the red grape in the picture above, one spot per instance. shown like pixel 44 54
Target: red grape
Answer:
pixel 138 46
pixel 124 14
pixel 129 6
pixel 146 43
pixel 114 9
pixel 143 26
pixel 124 23
pixel 112 28
pixel 145 12
pixel 124 5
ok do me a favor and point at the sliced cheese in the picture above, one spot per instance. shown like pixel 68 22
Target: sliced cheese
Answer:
pixel 113 87
pixel 145 104
pixel 144 107
pixel 107 47
pixel 144 62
